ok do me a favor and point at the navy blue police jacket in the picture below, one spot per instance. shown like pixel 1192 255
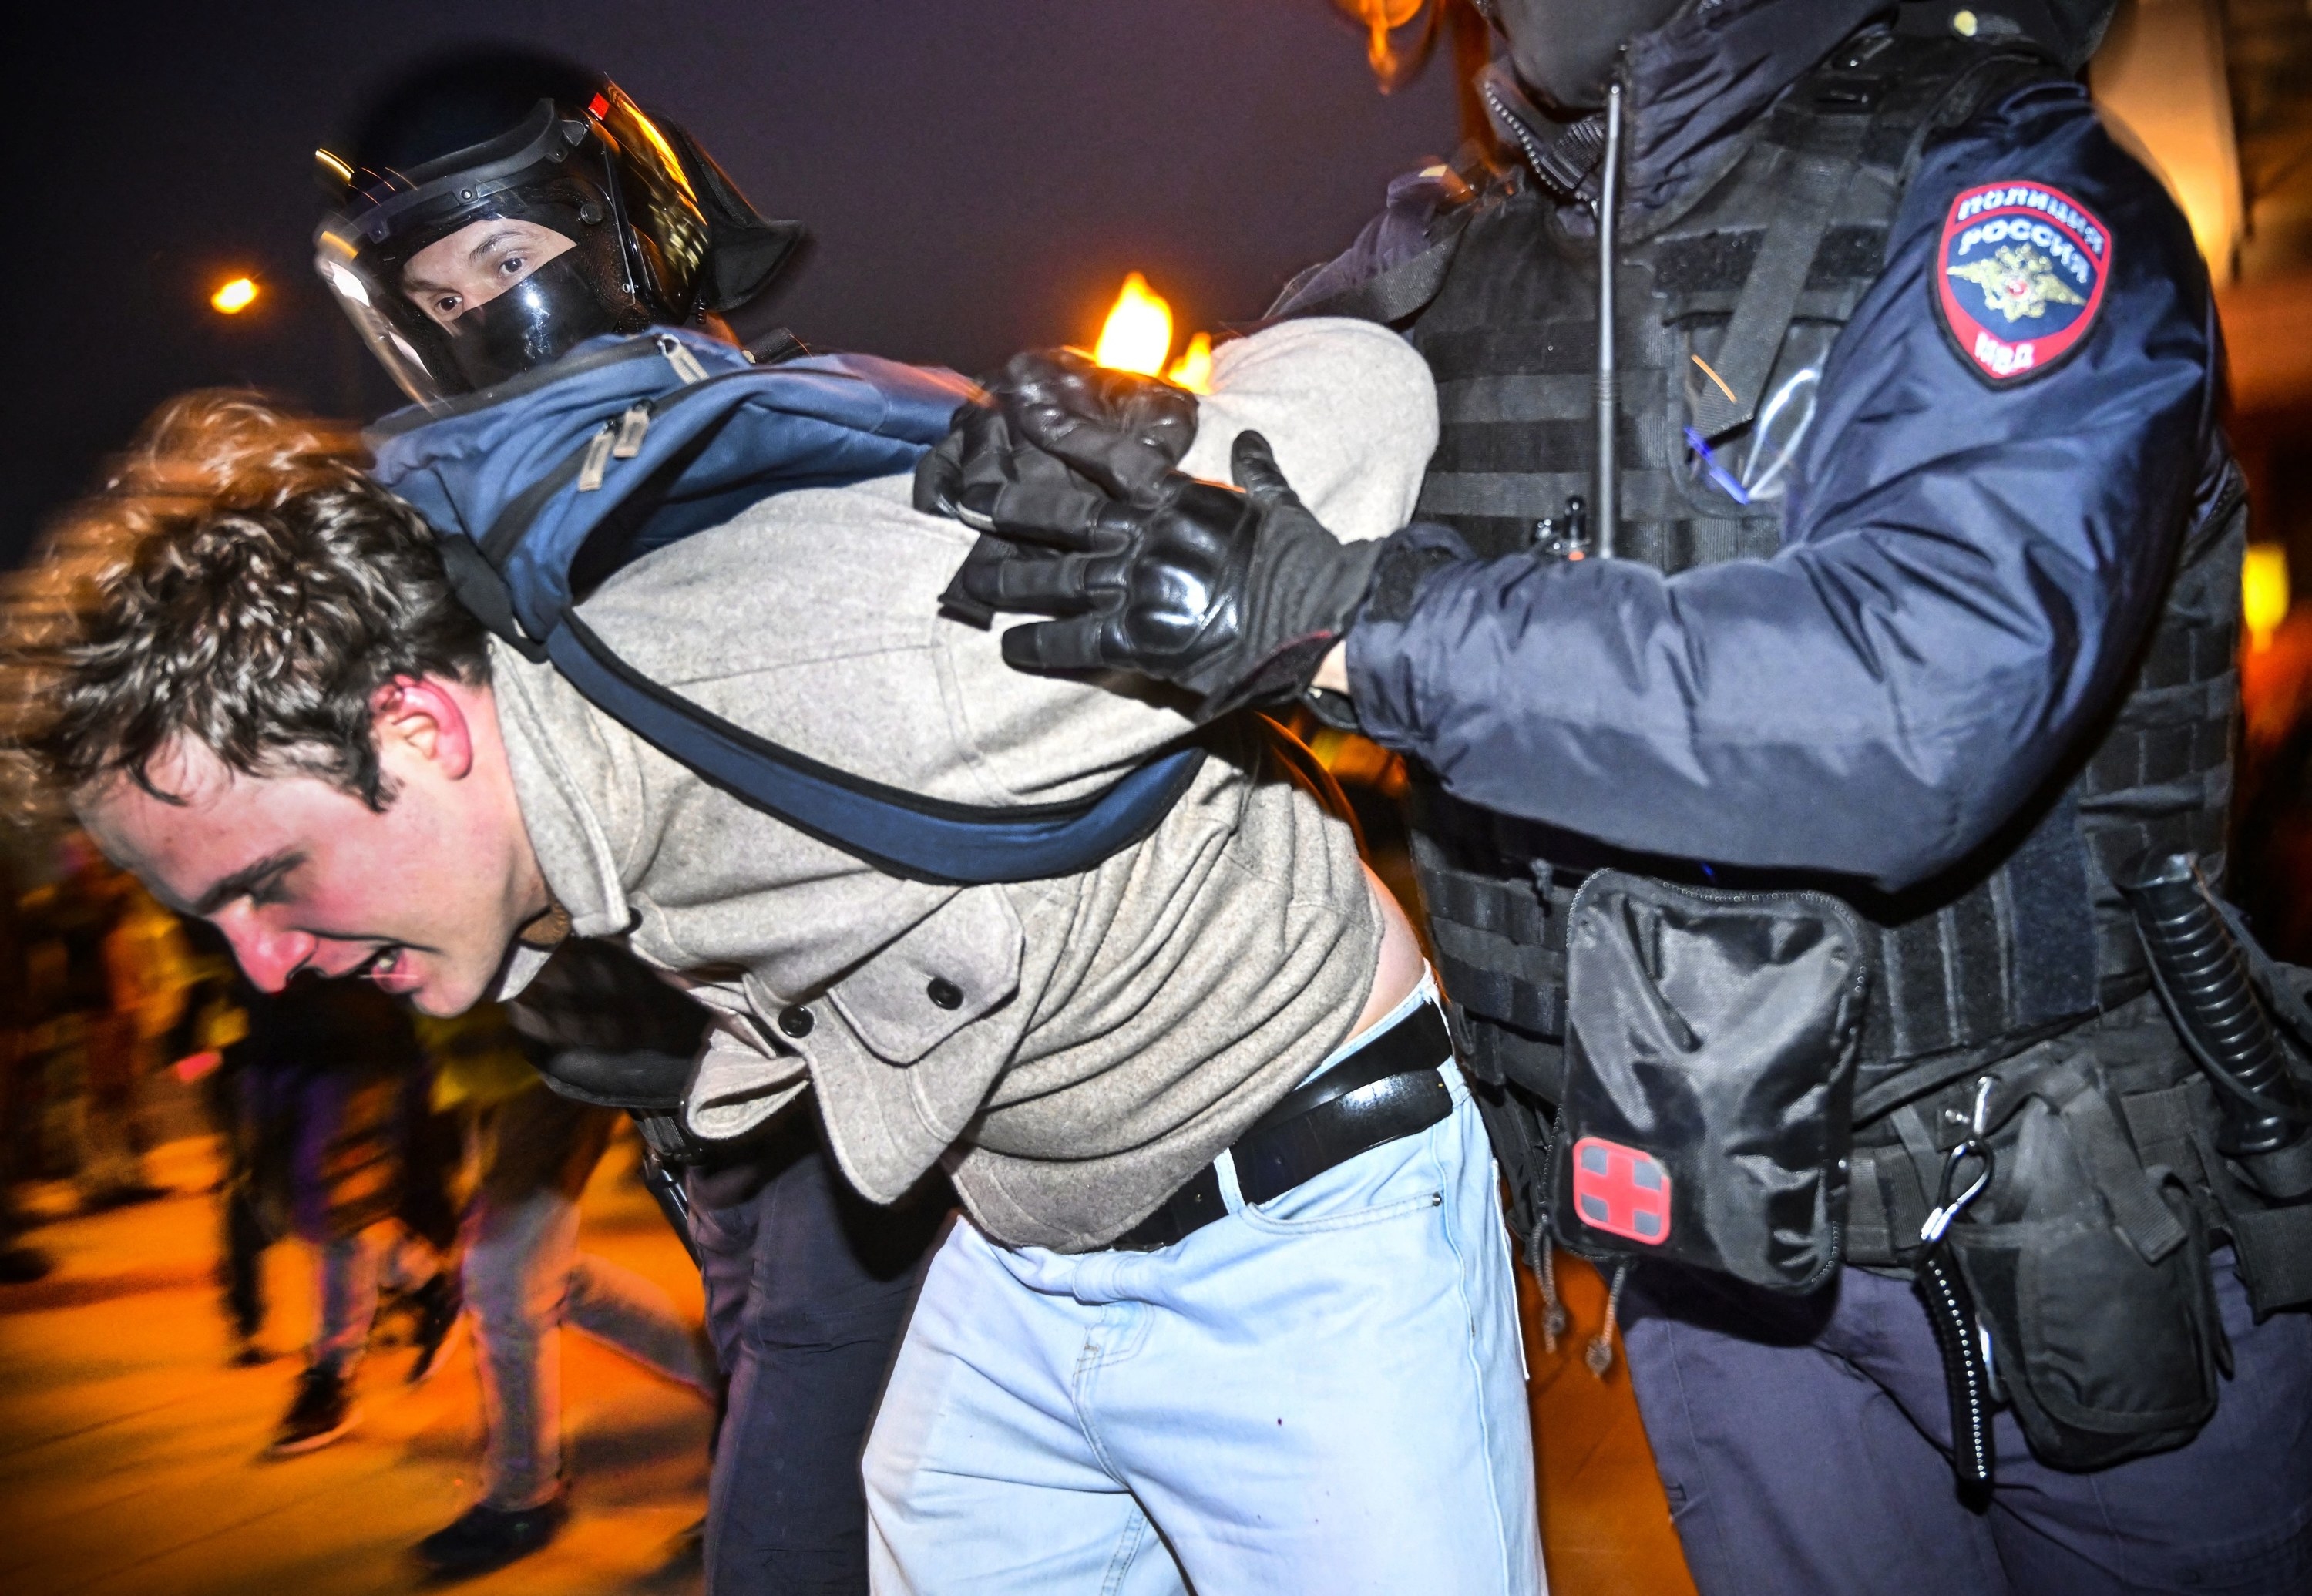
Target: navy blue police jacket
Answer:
pixel 1967 566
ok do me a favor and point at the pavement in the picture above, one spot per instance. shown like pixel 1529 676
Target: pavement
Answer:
pixel 131 1455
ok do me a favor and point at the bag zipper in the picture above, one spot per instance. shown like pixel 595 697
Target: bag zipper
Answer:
pixel 598 457
pixel 685 363
pixel 633 428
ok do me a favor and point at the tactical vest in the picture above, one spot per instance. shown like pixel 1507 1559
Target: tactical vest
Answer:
pixel 2024 941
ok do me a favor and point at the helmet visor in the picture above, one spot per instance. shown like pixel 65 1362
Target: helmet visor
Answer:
pixel 404 342
pixel 487 302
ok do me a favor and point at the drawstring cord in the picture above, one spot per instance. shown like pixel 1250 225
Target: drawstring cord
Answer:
pixel 1541 1262
pixel 1599 1355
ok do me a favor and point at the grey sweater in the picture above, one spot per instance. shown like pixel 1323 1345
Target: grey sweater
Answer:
pixel 1071 1050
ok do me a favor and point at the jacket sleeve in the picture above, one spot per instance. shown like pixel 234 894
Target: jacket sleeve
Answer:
pixel 1966 570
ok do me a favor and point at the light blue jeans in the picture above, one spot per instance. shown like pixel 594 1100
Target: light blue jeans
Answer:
pixel 1323 1395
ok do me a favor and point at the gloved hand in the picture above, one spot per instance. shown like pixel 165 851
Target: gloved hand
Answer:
pixel 1056 440
pixel 1058 437
pixel 1236 596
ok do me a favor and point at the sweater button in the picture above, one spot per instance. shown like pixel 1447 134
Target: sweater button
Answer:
pixel 796 1021
pixel 944 994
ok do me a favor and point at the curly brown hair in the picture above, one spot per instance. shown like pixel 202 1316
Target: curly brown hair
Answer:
pixel 237 581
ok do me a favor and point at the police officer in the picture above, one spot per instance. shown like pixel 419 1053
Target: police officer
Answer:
pixel 491 212
pixel 1816 617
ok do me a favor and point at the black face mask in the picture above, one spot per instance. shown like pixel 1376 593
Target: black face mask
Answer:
pixel 1564 50
pixel 538 319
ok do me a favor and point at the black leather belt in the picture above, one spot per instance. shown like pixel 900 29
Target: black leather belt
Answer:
pixel 1387 1088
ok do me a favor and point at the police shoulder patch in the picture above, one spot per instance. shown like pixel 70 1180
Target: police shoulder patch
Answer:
pixel 2020 278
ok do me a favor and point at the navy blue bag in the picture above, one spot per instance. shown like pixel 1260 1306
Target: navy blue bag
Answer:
pixel 545 485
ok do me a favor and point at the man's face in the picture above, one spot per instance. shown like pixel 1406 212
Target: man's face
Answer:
pixel 424 898
pixel 1565 49
pixel 476 264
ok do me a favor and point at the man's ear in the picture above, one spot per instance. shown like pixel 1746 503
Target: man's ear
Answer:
pixel 421 715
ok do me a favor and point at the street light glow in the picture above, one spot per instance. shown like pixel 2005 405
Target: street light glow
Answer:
pixel 232 298
pixel 2263 593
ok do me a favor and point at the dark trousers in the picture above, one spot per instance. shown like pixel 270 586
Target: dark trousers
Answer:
pixel 808 1286
pixel 1802 1443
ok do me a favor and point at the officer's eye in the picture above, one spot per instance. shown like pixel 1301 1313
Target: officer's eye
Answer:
pixel 512 266
pixel 446 306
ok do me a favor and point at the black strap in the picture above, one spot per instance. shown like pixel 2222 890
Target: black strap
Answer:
pixel 483 591
pixel 1811 182
pixel 2112 1163
pixel 2275 1246
pixel 1186 1211
pixel 1497 1055
pixel 900 832
pixel 1404 288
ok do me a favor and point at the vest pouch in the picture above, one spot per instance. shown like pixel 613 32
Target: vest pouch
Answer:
pixel 1710 1062
pixel 2090 1273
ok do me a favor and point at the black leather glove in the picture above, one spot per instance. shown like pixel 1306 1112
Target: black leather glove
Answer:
pixel 1057 439
pixel 1235 595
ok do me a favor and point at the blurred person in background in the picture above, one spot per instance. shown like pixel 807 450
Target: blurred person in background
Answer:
pixel 86 1128
pixel 333 1092
pixel 19 1262
pixel 523 1273
pixel 214 1059
pixel 151 967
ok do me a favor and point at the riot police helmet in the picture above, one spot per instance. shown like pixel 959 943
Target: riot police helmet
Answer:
pixel 494 209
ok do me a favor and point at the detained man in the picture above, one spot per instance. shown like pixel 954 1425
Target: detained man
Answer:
pixel 1229 1307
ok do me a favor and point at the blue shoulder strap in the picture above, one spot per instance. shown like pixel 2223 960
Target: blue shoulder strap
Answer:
pixel 652 469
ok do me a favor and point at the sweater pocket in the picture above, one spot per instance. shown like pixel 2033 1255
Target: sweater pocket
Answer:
pixel 957 966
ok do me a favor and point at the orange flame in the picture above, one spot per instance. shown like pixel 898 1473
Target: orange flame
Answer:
pixel 1382 18
pixel 1137 335
pixel 232 298
pixel 1194 370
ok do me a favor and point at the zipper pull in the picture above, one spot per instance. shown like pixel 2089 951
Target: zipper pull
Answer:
pixel 685 363
pixel 633 427
pixel 598 458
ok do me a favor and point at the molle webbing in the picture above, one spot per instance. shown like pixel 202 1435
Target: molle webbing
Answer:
pixel 1512 339
pixel 2025 937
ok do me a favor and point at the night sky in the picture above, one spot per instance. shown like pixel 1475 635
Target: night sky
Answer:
pixel 979 174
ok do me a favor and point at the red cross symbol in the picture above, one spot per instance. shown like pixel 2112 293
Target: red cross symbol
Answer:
pixel 1621 1191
